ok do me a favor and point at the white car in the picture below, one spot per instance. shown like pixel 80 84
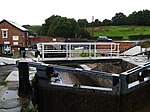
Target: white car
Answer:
pixel 104 39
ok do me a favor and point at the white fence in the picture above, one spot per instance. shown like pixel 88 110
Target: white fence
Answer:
pixel 86 50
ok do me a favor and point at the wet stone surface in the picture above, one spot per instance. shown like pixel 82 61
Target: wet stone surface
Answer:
pixel 5 70
pixel 9 99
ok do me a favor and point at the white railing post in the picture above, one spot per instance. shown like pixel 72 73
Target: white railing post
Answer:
pixel 70 50
pixel 95 50
pixel 66 51
pixel 89 50
pixel 42 51
pixel 118 49
pixel 111 50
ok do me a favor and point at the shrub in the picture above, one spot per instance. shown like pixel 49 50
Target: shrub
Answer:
pixel 87 55
pixel 116 37
pixel 139 37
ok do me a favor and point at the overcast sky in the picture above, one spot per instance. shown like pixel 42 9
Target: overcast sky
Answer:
pixel 34 12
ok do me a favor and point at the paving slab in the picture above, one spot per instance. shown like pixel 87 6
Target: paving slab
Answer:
pixel 9 98
pixel 14 76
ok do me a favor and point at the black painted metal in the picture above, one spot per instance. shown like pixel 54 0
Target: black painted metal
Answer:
pixel 120 83
pixel 43 70
pixel 81 61
pixel 25 88
pixel 120 95
pixel 141 74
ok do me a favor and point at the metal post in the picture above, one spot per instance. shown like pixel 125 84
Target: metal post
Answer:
pixel 118 50
pixel 25 88
pixel 69 50
pixel 116 85
pixel 124 80
pixel 92 25
pixel 95 50
pixel 42 51
pixel 89 50
pixel 66 51
pixel 44 75
pixel 44 71
pixel 111 50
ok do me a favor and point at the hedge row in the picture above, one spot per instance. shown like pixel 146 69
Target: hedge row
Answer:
pixel 132 37
pixel 112 37
pixel 139 37
pixel 116 37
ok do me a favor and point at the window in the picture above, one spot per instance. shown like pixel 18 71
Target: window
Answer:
pixel 15 37
pixel 6 42
pixel 15 43
pixel 4 33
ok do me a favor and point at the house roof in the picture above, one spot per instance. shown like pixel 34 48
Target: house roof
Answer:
pixel 15 25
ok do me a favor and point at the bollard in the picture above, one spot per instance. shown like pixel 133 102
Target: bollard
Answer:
pixel 25 88
pixel 22 52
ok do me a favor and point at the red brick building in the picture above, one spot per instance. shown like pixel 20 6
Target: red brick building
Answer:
pixel 12 36
pixel 35 40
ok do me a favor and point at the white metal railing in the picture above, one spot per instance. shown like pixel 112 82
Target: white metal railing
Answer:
pixel 77 50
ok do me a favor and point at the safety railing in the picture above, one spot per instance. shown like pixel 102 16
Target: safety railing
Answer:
pixel 120 83
pixel 43 71
pixel 135 78
pixel 60 50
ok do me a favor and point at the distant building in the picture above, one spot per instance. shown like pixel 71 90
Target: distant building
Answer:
pixel 12 37
pixel 35 40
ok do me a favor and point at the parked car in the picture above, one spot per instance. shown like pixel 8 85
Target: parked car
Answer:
pixel 104 39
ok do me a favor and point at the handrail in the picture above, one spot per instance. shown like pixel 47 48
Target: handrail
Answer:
pixel 112 77
pixel 47 49
pixel 120 82
pixel 142 72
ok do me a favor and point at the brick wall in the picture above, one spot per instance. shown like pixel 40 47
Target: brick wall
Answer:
pixel 45 39
pixel 13 31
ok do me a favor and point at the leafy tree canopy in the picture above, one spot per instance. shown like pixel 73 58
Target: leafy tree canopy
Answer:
pixel 57 26
pixel 83 23
pixel 119 19
pixel 33 30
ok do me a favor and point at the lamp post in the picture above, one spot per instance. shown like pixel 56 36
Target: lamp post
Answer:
pixel 92 25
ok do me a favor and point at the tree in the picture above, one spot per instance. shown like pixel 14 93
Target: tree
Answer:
pixel 139 18
pixel 83 23
pixel 96 23
pixel 33 30
pixel 84 33
pixel 106 22
pixel 57 26
pixel 44 28
pixel 119 19
pixel 63 27
pixel 130 20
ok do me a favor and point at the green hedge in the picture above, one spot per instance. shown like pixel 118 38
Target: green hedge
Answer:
pixel 112 37
pixel 139 37
pixel 116 37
